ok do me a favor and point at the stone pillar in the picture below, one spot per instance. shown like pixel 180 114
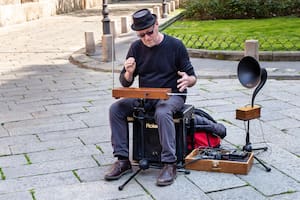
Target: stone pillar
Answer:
pixel 89 43
pixel 177 4
pixel 172 5
pixel 165 9
pixel 108 46
pixel 252 49
pixel 124 25
pixel 168 7
pixel 156 11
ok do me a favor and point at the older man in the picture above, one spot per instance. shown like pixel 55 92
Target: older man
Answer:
pixel 159 61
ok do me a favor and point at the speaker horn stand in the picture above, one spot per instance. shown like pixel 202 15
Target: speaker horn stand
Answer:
pixel 248 147
pixel 250 74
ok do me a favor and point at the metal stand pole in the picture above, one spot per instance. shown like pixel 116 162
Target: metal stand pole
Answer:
pixel 249 148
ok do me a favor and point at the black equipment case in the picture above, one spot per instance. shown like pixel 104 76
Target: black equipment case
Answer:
pixel 146 143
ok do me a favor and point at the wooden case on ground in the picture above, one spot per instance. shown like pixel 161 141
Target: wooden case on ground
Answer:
pixel 214 165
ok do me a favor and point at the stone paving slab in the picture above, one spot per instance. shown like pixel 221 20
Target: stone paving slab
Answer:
pixel 93 119
pixel 295 195
pixel 14 140
pixel 43 146
pixel 43 125
pixel 215 181
pixel 68 153
pixel 281 139
pixel 48 167
pixel 181 188
pixel 17 196
pixel 284 161
pixel 14 160
pixel 4 150
pixel 91 190
pixel 33 182
pixel 93 174
pixel 271 183
pixel 14 116
pixel 97 136
pixel 243 193
pixel 61 109
pixel 104 158
pixel 3 132
pixel 73 133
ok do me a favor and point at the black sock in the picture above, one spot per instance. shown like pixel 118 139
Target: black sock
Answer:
pixel 122 158
pixel 169 162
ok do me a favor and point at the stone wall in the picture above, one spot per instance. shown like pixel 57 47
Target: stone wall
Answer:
pixel 19 11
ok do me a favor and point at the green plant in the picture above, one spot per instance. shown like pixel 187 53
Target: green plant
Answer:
pixel 99 148
pixel 76 175
pixel 2 174
pixel 32 192
pixel 27 159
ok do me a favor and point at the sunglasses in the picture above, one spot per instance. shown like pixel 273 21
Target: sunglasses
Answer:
pixel 141 35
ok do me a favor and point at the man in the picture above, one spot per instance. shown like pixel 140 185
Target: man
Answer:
pixel 159 61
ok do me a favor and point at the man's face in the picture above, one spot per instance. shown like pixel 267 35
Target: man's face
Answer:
pixel 149 36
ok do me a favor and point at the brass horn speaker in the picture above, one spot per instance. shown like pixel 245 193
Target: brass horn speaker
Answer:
pixel 250 74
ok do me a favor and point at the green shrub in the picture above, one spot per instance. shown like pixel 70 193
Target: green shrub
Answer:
pixel 240 9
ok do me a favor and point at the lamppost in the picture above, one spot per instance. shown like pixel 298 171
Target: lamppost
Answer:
pixel 164 7
pixel 105 20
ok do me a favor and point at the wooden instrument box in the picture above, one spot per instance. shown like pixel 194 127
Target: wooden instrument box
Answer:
pixel 144 93
pixel 213 165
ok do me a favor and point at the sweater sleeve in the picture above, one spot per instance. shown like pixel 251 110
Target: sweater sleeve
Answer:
pixel 183 59
pixel 123 81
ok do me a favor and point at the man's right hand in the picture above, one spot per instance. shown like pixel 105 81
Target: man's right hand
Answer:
pixel 129 66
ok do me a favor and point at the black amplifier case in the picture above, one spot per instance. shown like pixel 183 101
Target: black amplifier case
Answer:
pixel 146 143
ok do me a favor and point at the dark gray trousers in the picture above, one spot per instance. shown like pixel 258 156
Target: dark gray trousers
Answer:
pixel 164 110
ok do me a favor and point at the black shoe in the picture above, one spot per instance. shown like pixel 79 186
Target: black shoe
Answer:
pixel 118 169
pixel 167 175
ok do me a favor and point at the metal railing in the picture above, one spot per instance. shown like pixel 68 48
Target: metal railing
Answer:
pixel 237 43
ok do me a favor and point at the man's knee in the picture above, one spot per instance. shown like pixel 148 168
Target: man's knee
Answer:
pixel 162 113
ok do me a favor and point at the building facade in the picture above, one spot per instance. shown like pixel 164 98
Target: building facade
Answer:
pixel 19 11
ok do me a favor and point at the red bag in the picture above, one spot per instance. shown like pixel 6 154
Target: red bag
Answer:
pixel 202 140
pixel 205 132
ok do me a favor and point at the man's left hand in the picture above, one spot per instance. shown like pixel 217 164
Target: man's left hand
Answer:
pixel 185 81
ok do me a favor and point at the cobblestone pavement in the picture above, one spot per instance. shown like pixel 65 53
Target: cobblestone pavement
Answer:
pixel 55 138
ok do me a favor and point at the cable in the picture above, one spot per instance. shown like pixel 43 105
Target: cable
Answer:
pixel 264 140
pixel 113 61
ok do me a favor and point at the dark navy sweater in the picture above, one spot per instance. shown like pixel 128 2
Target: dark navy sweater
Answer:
pixel 157 66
